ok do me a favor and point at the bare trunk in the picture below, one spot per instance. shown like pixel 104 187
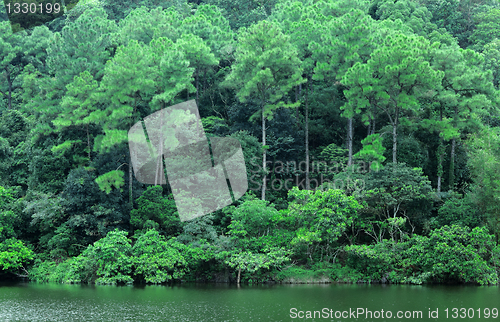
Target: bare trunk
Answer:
pixel 197 87
pixel 88 141
pixel 395 136
pixel 264 154
pixel 130 196
pixel 204 80
pixel 349 140
pixel 308 185
pixel 297 108
pixel 9 93
pixel 440 158
pixel 374 121
pixel 452 154
pixel 239 275
pixel 452 163
pixel 394 143
pixel 159 159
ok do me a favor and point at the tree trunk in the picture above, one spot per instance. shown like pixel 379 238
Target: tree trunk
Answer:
pixel 452 154
pixel 373 120
pixel 88 141
pixel 452 163
pixel 394 142
pixel 264 154
pixel 308 186
pixel 239 275
pixel 439 185
pixel 204 81
pixel 395 136
pixel 197 87
pixel 349 140
pixel 297 108
pixel 440 157
pixel 130 178
pixel 9 96
pixel 159 160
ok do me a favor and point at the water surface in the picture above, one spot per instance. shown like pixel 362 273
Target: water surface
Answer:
pixel 223 302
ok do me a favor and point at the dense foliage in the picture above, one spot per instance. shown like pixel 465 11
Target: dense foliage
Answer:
pixel 370 132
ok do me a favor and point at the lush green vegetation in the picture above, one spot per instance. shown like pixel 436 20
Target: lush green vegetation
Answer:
pixel 370 131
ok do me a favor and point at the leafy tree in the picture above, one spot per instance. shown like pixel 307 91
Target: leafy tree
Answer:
pixel 8 219
pixel 242 14
pixel 460 210
pixel 453 253
pixel 322 217
pixel 77 106
pixel 397 73
pixel 265 72
pixel 47 214
pixel 137 76
pixel 156 259
pixel 84 217
pixel 343 46
pixel 446 59
pixel 458 17
pixel 153 206
pixel 484 162
pixel 14 129
pixel 10 53
pixel 411 13
pixel 144 24
pixel 467 93
pixel 247 261
pixel 199 56
pixel 492 59
pixel 35 46
pixel 334 154
pixel 373 151
pixel 209 24
pixel 258 240
pixel 396 196
pixel 14 254
pixel 83 45
pixel 255 216
pixel 487 29
pixel 251 150
pixel 107 261
pixel 197 230
pixel 303 22
pixel 450 254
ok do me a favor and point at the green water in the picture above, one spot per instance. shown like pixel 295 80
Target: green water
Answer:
pixel 221 302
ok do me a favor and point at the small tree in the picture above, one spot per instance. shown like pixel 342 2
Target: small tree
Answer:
pixel 321 217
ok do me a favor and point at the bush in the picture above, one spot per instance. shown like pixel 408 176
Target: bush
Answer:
pixel 377 262
pixel 453 254
pixel 50 271
pixel 158 260
pixel 450 254
pixel 460 211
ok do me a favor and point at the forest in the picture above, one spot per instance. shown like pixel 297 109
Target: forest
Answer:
pixel 370 131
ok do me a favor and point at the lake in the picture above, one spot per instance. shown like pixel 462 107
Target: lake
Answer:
pixel 224 302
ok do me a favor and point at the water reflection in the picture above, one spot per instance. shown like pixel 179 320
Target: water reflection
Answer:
pixel 225 302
